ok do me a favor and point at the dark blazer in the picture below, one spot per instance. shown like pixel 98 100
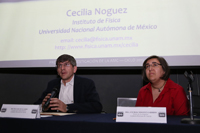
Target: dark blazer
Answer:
pixel 86 98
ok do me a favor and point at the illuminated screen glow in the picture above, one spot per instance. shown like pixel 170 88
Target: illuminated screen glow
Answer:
pixel 106 33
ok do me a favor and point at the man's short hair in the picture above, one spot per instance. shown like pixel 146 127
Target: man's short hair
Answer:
pixel 66 57
pixel 164 65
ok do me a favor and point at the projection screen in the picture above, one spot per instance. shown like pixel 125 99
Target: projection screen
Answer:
pixel 99 33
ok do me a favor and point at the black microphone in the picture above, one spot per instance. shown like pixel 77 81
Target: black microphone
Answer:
pixel 53 94
pixel 190 77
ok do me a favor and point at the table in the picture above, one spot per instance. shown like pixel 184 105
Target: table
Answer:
pixel 92 123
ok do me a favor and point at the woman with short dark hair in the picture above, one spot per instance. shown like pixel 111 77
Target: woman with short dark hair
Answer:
pixel 161 91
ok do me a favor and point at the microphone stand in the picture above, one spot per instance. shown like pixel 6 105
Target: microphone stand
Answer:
pixel 190 120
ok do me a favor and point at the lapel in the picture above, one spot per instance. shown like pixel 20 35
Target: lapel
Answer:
pixel 76 88
pixel 57 85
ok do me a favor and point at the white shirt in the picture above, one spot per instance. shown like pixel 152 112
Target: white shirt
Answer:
pixel 66 93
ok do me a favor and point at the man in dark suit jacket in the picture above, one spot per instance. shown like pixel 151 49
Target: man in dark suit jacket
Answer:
pixel 83 97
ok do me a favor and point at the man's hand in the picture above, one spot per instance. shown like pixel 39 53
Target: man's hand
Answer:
pixel 44 101
pixel 57 104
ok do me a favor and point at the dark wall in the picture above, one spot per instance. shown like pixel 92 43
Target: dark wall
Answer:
pixel 25 85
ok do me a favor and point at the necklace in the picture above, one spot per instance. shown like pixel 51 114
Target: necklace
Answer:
pixel 159 89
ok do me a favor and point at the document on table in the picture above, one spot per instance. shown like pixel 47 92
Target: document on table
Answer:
pixel 46 114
